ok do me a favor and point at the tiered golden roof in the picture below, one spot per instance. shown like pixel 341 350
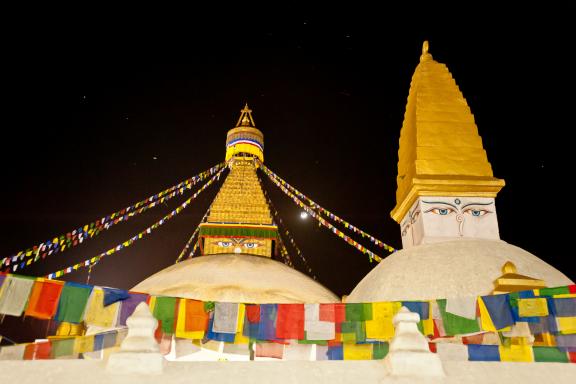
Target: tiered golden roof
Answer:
pixel 241 199
pixel 440 153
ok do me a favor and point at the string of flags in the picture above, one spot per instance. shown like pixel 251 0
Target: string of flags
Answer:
pixel 94 260
pixel 322 221
pixel 287 233
pixel 185 250
pixel 534 325
pixel 77 236
pixel 326 212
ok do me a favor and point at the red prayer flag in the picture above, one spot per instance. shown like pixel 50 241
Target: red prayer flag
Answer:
pixel 253 313
pixel 290 321
pixel 572 288
pixel 270 350
pixel 44 299
pixel 572 356
pixel 334 312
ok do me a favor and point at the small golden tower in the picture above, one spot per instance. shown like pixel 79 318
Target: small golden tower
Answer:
pixel 441 152
pixel 511 281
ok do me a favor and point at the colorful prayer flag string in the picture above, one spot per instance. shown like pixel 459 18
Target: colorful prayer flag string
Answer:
pixel 78 236
pixel 133 239
pixel 287 233
pixel 322 221
pixel 326 212
pixel 189 242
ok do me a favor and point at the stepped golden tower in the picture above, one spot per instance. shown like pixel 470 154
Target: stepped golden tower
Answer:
pixel 239 220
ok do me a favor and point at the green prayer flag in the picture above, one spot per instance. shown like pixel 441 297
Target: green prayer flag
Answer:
pixel 62 347
pixel 379 351
pixel 209 306
pixel 454 324
pixel 550 354
pixel 554 291
pixel 165 311
pixel 353 331
pixel 358 311
pixel 72 302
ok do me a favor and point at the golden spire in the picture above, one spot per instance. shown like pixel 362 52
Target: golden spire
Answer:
pixel 245 139
pixel 441 153
pixel 511 281
pixel 245 119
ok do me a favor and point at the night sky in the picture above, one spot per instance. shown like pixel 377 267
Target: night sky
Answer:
pixel 95 119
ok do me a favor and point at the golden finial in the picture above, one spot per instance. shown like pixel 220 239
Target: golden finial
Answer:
pixel 509 267
pixel 245 119
pixel 511 281
pixel 425 55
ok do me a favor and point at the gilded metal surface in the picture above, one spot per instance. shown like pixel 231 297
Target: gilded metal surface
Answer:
pixel 440 149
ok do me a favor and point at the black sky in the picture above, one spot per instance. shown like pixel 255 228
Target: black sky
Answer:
pixel 100 115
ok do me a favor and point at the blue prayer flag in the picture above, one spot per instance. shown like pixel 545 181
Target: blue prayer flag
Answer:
pixel 478 352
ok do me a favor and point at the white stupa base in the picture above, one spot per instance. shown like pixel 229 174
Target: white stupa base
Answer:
pixel 408 363
pixel 135 362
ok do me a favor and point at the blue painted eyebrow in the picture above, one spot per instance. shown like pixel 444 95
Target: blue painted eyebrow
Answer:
pixel 464 206
pixel 440 202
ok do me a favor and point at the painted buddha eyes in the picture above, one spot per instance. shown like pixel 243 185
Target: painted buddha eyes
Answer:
pixel 228 244
pixel 441 211
pixel 476 212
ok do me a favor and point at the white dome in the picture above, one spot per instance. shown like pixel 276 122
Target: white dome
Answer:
pixel 236 278
pixel 449 269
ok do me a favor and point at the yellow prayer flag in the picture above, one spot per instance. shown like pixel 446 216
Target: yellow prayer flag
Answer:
pixel 99 315
pixel 357 351
pixel 516 353
pixel 566 325
pixel 240 338
pixel 485 319
pixel 532 307
pixel 381 327
pixel 181 324
pixel 84 344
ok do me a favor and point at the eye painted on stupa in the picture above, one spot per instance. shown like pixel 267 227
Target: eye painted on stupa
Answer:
pixel 224 244
pixel 476 212
pixel 442 211
pixel 251 245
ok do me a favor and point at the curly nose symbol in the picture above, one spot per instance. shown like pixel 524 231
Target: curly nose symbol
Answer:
pixel 460 220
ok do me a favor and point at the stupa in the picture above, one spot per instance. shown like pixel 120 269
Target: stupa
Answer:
pixel 445 205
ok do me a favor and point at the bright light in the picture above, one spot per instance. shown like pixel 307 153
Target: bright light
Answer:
pixel 303 215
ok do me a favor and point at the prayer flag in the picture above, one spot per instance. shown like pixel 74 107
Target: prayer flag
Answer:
pixel 518 353
pixel 12 352
pixel 566 325
pixel 83 344
pixel 357 351
pixel 297 352
pixel 381 326
pixel 532 307
pixel 290 321
pixel 14 295
pixel 73 302
pixel 44 298
pixel 99 315
pixel 549 355
pixel 225 317
pixel 498 309
pixel 566 342
pixel 62 347
pixel 113 295
pixel 130 304
pixel 462 306
pixel 274 350
pixel 358 311
pixel 564 307
pixel 454 324
pixel 335 352
pixel 165 311
pixel 334 312
pixel 267 325
pixel 379 350
pixel 478 352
